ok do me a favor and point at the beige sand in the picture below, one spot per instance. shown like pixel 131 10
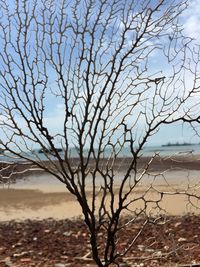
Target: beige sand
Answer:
pixel 40 197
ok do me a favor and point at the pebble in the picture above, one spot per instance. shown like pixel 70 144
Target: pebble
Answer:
pixel 8 262
pixel 67 233
pixel 141 247
pixel 182 239
pixel 64 257
pixel 166 248
pixel 17 255
pixel 19 244
pixel 177 224
pixel 150 250
pixel 59 265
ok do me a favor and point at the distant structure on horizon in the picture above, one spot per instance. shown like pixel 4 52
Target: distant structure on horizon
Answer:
pixel 178 144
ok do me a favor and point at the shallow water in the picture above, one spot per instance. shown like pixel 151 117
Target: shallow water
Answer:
pixel 47 183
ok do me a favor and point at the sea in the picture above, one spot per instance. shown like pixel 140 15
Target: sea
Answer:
pixel 148 151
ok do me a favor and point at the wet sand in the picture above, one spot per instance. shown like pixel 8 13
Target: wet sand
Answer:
pixel 175 162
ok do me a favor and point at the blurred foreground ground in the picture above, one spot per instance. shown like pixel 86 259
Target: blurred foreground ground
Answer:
pixel 48 243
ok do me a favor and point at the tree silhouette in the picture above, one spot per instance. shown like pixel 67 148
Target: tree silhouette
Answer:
pixel 118 70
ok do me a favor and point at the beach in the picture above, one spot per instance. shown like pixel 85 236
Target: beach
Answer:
pixel 39 195
pixel 41 222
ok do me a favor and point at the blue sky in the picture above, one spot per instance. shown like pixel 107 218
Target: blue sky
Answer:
pixel 167 133
pixel 53 116
pixel 179 132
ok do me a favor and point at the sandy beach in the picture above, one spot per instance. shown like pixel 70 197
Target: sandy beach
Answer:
pixel 41 196
pixel 28 237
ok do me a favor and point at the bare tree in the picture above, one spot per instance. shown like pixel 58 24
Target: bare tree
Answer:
pixel 118 70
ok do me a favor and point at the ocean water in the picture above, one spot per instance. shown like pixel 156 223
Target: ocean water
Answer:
pixel 148 151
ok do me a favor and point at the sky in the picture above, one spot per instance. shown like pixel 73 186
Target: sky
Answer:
pixel 169 133
pixel 178 132
pixel 191 20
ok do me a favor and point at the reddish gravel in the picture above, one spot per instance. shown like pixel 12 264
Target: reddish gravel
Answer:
pixel 45 243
